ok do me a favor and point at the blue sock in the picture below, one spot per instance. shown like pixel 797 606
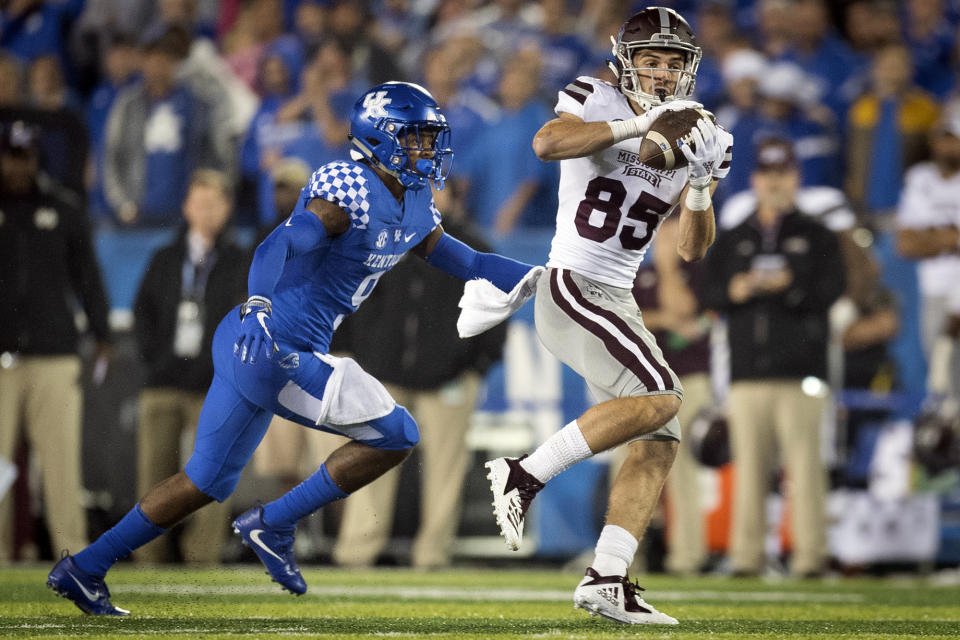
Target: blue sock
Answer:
pixel 133 531
pixel 305 498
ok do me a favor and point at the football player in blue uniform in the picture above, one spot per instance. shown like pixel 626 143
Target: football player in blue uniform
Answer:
pixel 354 221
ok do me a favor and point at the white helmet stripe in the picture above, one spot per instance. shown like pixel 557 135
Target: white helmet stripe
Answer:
pixel 664 20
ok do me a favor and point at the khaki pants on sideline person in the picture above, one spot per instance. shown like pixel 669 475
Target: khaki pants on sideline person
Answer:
pixel 443 416
pixel 40 397
pixel 765 416
pixel 166 415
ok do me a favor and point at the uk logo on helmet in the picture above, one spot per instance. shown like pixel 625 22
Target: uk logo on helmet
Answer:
pixel 374 103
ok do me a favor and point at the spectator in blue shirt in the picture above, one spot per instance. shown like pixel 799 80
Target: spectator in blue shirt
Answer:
pixel 158 132
pixel 931 37
pixel 565 54
pixel 508 185
pixel 742 70
pixel 468 111
pixel 716 36
pixel 311 125
pixel 819 51
pixel 886 132
pixel 278 81
pixel 33 28
pixel 787 108
pixel 121 66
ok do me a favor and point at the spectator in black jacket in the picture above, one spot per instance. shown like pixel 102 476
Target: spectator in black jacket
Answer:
pixel 775 276
pixel 405 335
pixel 189 286
pixel 47 264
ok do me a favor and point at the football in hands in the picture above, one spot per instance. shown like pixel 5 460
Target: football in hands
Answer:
pixel 658 148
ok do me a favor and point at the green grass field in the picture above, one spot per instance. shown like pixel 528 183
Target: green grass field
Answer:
pixel 240 602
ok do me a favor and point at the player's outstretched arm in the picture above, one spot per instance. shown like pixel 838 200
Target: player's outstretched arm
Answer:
pixel 495 287
pixel 305 230
pixel 449 254
pixel 568 136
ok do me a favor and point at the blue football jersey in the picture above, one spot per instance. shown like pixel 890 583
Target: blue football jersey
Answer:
pixel 318 289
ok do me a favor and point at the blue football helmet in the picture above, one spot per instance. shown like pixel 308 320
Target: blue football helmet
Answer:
pixel 394 118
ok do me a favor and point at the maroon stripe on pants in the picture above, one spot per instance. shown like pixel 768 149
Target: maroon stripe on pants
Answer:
pixel 623 355
pixel 625 329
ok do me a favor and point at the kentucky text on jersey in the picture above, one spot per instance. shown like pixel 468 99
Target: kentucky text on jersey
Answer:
pixel 387 261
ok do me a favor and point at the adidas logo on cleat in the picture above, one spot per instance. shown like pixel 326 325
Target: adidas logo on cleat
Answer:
pixel 616 598
pixel 610 594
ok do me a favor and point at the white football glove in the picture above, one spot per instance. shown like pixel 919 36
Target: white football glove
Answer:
pixel 705 151
pixel 638 126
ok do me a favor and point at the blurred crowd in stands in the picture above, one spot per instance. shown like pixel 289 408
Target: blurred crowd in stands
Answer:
pixel 161 88
pixel 132 97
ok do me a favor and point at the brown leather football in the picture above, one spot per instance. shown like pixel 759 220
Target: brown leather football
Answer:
pixel 658 148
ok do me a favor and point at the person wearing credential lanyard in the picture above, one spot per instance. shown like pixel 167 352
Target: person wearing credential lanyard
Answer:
pixel 206 273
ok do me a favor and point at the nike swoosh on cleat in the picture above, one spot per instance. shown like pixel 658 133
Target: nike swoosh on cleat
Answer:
pixel 255 536
pixel 91 596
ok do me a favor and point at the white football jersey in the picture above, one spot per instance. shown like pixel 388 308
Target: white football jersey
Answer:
pixel 930 200
pixel 610 205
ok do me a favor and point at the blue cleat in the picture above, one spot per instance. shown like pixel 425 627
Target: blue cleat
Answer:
pixel 274 547
pixel 88 592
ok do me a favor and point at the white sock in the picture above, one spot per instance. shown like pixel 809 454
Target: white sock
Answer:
pixel 558 453
pixel 614 551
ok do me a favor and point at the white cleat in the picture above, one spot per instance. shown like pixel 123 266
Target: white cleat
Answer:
pixel 513 490
pixel 617 599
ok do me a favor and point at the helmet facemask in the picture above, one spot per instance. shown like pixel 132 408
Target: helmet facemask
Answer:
pixel 658 29
pixel 418 138
pixel 629 75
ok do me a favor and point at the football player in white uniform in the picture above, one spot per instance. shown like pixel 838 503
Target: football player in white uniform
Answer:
pixel 610 206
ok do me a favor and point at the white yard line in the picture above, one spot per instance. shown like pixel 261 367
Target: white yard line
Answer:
pixel 481 593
